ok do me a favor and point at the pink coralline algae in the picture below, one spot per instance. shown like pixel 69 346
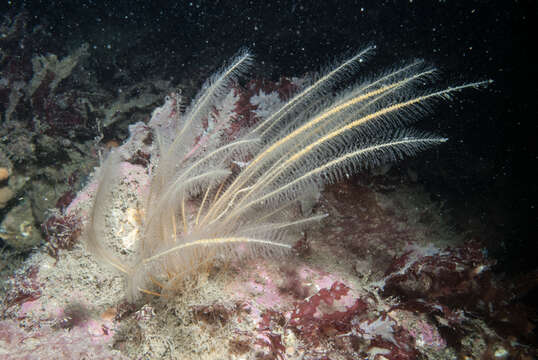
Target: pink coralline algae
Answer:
pixel 47 342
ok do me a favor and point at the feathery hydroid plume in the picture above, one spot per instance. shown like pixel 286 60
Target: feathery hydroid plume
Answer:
pixel 201 204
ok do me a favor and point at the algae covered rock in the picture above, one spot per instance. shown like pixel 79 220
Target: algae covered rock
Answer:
pixel 17 228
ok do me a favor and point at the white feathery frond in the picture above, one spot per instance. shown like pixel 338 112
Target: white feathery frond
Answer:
pixel 202 204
